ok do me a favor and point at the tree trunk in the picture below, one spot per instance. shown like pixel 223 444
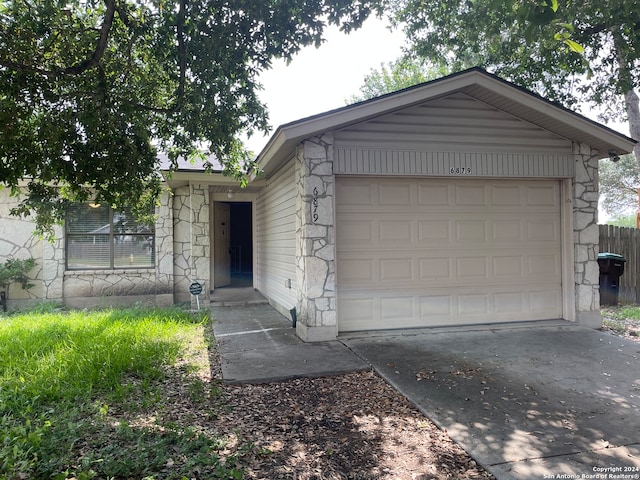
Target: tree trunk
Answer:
pixel 632 104
pixel 633 113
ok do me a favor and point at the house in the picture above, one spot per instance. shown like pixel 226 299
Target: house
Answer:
pixel 465 200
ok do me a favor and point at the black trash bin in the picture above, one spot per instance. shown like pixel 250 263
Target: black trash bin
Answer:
pixel 611 269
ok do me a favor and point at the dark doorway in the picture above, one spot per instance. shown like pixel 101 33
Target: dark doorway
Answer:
pixel 241 244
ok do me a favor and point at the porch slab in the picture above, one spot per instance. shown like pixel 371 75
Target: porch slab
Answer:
pixel 259 345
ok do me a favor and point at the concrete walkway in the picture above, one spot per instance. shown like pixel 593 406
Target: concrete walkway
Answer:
pixel 527 401
pixel 258 345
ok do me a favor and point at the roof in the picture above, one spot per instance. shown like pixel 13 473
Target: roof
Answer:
pixel 474 82
pixel 184 165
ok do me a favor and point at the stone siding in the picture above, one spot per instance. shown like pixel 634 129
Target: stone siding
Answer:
pixel 181 244
pixel 315 248
pixel 586 237
pixel 191 242
pixel 18 241
pixel 84 288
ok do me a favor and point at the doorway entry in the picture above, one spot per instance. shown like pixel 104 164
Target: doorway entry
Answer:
pixel 232 245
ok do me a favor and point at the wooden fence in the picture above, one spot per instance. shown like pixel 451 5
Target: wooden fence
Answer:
pixel 626 242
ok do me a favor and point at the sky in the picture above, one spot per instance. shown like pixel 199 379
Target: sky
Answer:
pixel 318 80
pixel 321 79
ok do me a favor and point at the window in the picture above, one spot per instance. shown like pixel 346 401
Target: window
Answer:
pixel 101 238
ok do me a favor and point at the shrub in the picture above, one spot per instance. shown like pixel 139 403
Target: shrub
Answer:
pixel 15 270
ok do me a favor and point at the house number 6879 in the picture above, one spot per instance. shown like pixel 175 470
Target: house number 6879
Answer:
pixel 460 171
pixel 314 210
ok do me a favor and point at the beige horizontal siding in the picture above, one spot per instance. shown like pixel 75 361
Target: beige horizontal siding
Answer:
pixel 363 161
pixel 456 123
pixel 275 233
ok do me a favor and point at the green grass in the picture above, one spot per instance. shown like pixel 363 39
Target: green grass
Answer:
pixel 622 319
pixel 72 385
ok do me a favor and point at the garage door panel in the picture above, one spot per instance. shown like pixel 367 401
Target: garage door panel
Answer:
pixel 469 194
pixel 396 194
pixel 543 230
pixel 383 310
pixel 398 233
pixel 541 300
pixel 446 268
pixel 507 230
pixel 471 269
pixel 434 231
pixel 427 252
pixel 507 195
pixel 431 269
pixel 542 195
pixel 471 231
pixel 394 309
pixel 356 271
pixel 355 193
pixel 544 267
pixel 356 231
pixel 436 306
pixel 396 269
pixel 434 195
pixel 508 266
pixel 474 304
pixel 359 311
pixel 510 303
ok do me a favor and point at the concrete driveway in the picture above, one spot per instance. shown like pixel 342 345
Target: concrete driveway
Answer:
pixel 545 400
pixel 527 401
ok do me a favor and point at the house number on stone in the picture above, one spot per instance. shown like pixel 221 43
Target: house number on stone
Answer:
pixel 315 205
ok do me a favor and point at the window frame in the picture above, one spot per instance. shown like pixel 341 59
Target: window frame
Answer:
pixel 111 243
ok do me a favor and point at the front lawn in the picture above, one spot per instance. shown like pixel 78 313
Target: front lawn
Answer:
pixel 92 394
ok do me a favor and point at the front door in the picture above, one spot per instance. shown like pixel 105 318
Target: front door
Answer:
pixel 221 245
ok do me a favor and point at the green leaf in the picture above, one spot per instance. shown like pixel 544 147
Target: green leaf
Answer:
pixel 573 46
pixel 90 91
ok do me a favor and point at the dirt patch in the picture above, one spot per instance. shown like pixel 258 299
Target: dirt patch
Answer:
pixel 352 426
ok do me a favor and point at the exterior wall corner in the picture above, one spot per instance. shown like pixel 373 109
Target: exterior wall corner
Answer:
pixel 315 246
pixel 586 236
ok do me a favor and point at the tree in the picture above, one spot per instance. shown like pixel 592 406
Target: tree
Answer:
pixel 91 89
pixel 619 183
pixel 628 221
pixel 571 52
pixel 393 76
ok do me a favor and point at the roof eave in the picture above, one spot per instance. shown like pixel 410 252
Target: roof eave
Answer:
pixel 603 137
pixel 281 145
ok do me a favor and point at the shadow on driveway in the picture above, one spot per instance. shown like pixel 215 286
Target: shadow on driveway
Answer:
pixel 527 402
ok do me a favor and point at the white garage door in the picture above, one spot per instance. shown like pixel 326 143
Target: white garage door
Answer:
pixel 429 252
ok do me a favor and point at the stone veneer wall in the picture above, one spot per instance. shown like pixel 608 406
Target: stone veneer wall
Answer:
pixel 191 242
pixel 82 288
pixel 315 248
pixel 181 243
pixel 17 241
pixel 586 237
pixel 200 241
pixel 105 287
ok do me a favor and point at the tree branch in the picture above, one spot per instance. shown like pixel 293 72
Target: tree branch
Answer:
pixel 182 54
pixel 105 29
pixel 182 68
pixel 78 68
